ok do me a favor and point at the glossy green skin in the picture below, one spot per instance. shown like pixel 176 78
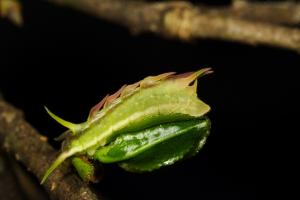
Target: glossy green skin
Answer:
pixel 152 106
pixel 169 103
pixel 156 146
pixel 151 148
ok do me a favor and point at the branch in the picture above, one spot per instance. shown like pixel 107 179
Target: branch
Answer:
pixel 182 20
pixel 286 12
pixel 30 148
pixel 11 9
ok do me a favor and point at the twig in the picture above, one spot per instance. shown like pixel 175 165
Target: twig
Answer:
pixel 30 148
pixel 283 12
pixel 184 21
pixel 11 9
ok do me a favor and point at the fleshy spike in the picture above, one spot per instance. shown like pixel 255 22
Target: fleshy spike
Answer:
pixel 193 76
pixel 194 86
pixel 97 107
pixel 63 136
pixel 73 127
pixel 152 80
pixel 62 157
pixel 129 89
pixel 114 96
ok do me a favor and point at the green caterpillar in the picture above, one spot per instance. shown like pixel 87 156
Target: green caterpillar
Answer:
pixel 143 126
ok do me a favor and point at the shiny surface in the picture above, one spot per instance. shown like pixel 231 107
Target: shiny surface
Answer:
pixel 171 150
pixel 130 145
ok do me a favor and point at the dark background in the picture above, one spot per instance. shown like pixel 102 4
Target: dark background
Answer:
pixel 69 61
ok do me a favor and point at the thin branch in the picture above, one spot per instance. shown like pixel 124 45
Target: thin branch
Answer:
pixel 184 21
pixel 30 148
pixel 12 10
pixel 282 12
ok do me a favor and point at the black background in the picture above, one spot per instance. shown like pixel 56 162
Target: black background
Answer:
pixel 69 61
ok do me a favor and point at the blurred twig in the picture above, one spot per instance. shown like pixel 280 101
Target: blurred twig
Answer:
pixel 30 148
pixel 281 12
pixel 184 21
pixel 244 21
pixel 11 9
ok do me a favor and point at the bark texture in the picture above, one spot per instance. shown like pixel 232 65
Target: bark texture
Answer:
pixel 20 139
pixel 185 21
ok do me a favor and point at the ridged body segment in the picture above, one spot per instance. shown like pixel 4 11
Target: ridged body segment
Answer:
pixel 148 107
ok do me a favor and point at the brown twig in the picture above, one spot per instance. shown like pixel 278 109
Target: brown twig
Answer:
pixel 30 148
pixel 11 9
pixel 184 21
pixel 283 12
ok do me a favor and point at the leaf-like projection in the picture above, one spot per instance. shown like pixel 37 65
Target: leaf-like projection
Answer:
pixel 157 146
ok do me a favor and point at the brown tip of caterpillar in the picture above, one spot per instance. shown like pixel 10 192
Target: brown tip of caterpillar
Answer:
pixel 110 99
pixel 153 80
pixel 187 78
pixel 130 89
pixel 96 108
